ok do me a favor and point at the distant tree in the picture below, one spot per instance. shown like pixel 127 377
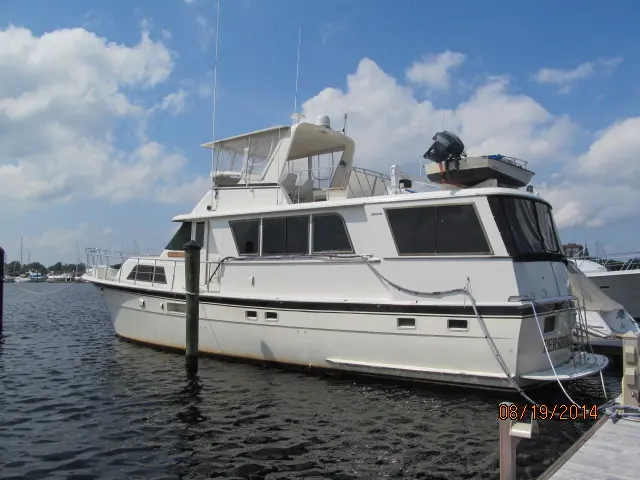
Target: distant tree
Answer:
pixel 13 266
pixel 34 266
pixel 56 267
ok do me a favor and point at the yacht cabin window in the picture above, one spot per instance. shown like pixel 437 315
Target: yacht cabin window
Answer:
pixel 183 235
pixel 285 235
pixel 330 234
pixel 200 234
pixel 290 235
pixel 147 273
pixel 438 230
pixel 246 234
pixel 526 227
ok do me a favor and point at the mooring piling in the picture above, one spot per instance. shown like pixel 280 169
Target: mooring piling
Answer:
pixel 511 433
pixel 192 287
pixel 1 288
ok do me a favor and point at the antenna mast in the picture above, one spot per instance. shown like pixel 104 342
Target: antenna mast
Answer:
pixel 214 166
pixel 295 115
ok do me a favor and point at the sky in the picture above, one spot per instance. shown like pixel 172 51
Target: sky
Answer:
pixel 104 105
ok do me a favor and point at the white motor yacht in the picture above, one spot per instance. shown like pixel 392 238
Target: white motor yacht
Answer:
pixel 311 261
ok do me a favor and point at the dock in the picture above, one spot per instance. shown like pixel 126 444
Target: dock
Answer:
pixel 610 449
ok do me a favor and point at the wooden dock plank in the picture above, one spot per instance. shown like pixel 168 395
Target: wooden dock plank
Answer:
pixel 611 451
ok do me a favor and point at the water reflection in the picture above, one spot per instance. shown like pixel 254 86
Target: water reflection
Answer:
pixel 82 402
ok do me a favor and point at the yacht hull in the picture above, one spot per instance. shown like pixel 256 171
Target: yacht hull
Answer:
pixel 622 286
pixel 357 342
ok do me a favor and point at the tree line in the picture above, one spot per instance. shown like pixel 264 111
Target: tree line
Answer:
pixel 14 268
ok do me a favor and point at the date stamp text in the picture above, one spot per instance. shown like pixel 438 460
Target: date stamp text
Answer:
pixel 558 411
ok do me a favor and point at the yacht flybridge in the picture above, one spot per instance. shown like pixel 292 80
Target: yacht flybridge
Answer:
pixel 311 261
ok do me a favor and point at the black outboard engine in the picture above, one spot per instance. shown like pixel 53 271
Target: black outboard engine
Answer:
pixel 446 147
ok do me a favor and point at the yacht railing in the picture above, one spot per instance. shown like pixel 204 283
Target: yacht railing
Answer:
pixel 517 162
pixel 105 264
pixel 312 184
pixel 375 181
pixel 614 261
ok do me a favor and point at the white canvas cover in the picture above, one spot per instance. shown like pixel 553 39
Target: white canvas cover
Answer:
pixel 588 293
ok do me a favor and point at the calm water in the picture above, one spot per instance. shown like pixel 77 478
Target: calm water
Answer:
pixel 76 402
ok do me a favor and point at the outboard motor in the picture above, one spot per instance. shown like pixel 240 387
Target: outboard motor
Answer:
pixel 446 147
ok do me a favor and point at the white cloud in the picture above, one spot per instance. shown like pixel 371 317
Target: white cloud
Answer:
pixel 187 192
pixel 61 240
pixel 601 183
pixel 175 102
pixel 566 78
pixel 390 124
pixel 614 155
pixel 434 71
pixel 61 98
pixel 206 31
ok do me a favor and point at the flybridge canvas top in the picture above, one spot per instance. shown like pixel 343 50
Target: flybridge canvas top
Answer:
pixel 259 156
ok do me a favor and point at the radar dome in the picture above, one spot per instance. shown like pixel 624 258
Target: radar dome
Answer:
pixel 323 121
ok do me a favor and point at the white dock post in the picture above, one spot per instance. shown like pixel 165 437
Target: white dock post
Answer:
pixel 630 370
pixel 511 432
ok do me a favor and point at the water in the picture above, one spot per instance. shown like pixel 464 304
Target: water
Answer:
pixel 77 403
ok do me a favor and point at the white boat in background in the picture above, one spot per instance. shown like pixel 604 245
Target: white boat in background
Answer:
pixel 310 261
pixel 8 278
pixel 617 275
pixel 60 278
pixel 606 320
pixel 36 276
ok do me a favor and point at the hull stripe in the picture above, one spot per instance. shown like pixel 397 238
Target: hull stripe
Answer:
pixel 343 307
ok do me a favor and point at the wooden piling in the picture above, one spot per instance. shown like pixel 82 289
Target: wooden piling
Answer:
pixel 511 433
pixel 192 287
pixel 1 288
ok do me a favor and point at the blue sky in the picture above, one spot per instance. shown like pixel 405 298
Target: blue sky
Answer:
pixel 106 103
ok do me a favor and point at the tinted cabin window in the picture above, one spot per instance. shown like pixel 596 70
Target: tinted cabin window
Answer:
pixel 246 234
pixel 274 236
pixel 330 234
pixel 526 227
pixel 298 235
pixel 182 236
pixel 441 230
pixel 414 229
pixel 200 234
pixel 159 275
pixel 459 231
pixel 285 236
pixel 145 273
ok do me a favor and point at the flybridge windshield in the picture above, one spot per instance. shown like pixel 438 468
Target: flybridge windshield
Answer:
pixel 526 227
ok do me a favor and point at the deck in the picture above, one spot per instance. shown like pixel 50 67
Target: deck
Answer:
pixel 609 450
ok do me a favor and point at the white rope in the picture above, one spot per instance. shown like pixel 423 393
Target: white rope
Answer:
pixel 535 313
pixel 465 291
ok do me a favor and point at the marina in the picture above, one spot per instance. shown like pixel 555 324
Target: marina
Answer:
pixel 317 310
